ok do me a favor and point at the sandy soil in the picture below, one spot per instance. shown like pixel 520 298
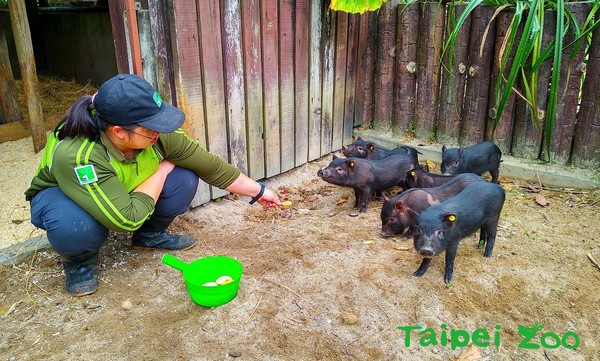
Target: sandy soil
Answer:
pixel 318 283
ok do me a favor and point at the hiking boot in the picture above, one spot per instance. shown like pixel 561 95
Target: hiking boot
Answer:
pixel 153 235
pixel 80 272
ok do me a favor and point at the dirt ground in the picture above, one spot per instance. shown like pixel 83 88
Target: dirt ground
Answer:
pixel 320 282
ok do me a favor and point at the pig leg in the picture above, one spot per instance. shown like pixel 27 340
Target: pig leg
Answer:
pixel 450 256
pixel 482 237
pixel 495 175
pixel 364 199
pixel 423 267
pixel 357 197
pixel 491 238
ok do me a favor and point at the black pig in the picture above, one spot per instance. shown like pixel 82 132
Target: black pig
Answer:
pixel 363 149
pixel 367 176
pixel 421 178
pixel 478 159
pixel 401 212
pixel 440 227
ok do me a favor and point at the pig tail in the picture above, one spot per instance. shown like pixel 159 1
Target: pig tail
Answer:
pixel 81 120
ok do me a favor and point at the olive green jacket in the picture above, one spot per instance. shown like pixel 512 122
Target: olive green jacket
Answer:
pixel 100 179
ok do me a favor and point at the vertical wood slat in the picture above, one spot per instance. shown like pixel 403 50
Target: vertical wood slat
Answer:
pixel 362 76
pixel 527 136
pixel 301 79
pixel 502 135
pixel 234 84
pixel 162 55
pixel 586 152
pixel 339 84
pixel 453 80
pixel 405 68
pixel 314 120
pixel 188 79
pixel 286 70
pixel 479 71
pixel 567 102
pixel 351 70
pixel 383 82
pixel 22 35
pixel 431 26
pixel 116 9
pixel 9 112
pixel 270 52
pixel 211 53
pixel 328 38
pixel 253 77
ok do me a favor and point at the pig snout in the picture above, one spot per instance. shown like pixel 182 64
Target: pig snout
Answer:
pixel 320 173
pixel 426 251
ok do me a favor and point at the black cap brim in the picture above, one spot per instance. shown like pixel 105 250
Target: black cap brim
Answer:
pixel 167 121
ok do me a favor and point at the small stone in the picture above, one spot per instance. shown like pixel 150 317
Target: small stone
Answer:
pixel 286 214
pixel 349 318
pixel 127 305
pixel 235 353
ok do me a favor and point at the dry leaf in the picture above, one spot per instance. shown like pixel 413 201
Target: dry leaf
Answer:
pixel 470 354
pixel 541 200
pixel 369 242
pixel 286 203
pixel 430 165
pixel 402 248
pixel 341 200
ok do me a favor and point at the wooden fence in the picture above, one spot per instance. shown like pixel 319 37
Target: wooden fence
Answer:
pixel 270 85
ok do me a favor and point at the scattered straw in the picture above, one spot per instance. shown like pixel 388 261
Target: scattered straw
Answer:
pixel 255 308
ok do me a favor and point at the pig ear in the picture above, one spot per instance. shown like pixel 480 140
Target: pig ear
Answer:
pixel 351 164
pixel 334 156
pixel 371 147
pixel 359 138
pixel 399 206
pixel 444 148
pixel 449 220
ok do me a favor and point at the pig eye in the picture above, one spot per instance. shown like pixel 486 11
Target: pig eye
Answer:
pixel 392 220
pixel 439 233
pixel 339 169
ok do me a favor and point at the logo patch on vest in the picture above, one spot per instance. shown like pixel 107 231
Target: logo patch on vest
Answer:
pixel 86 174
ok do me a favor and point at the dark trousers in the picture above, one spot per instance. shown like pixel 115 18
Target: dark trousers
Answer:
pixel 72 231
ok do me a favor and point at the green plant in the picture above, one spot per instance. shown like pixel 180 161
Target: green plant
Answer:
pixel 528 51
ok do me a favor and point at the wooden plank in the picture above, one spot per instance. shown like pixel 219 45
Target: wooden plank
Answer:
pixel 8 92
pixel 22 36
pixel 328 38
pixel 431 26
pixel 351 70
pixel 479 70
pixel 407 36
pixel 361 74
pixel 234 84
pixel 254 96
pixel 134 38
pixel 339 86
pixel 527 136
pixel 117 9
pixel 449 117
pixel 383 80
pixel 286 72
pixel 14 131
pixel 586 150
pixel 314 120
pixel 188 77
pixel 502 135
pixel 567 102
pixel 301 77
pixel 163 59
pixel 211 56
pixel 147 47
pixel 270 55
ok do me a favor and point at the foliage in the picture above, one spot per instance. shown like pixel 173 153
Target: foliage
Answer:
pixel 529 53
pixel 355 6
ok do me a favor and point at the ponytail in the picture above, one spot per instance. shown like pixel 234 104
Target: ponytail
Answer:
pixel 81 119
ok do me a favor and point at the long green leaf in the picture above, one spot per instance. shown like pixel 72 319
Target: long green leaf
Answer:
pixel 560 11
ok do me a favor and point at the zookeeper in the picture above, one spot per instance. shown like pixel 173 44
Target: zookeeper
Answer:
pixel 119 161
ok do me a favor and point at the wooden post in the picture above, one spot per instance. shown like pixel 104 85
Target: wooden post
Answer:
pixel 384 66
pixel 20 28
pixel 367 40
pixel 134 37
pixel 8 93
